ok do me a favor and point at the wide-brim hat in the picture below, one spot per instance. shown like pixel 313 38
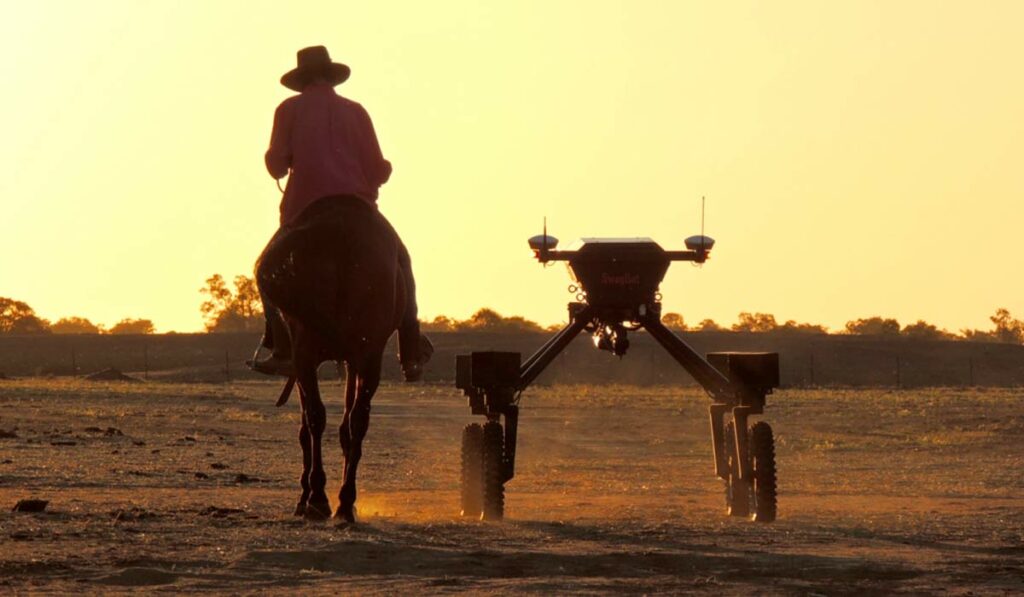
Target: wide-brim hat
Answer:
pixel 313 62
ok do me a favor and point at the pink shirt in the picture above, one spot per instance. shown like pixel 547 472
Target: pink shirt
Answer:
pixel 330 146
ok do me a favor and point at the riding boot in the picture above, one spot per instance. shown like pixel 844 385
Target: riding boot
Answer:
pixel 278 340
pixel 414 350
pixel 275 332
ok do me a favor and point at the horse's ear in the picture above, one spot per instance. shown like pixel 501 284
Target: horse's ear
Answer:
pixel 286 392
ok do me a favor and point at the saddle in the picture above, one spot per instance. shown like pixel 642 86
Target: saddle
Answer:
pixel 321 224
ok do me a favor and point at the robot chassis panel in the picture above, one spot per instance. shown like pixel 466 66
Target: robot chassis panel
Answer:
pixel 617 289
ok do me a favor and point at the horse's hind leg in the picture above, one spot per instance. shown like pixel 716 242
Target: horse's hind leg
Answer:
pixel 358 423
pixel 306 441
pixel 314 417
pixel 344 433
pixel 345 429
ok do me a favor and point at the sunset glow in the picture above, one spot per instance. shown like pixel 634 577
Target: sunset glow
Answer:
pixel 858 159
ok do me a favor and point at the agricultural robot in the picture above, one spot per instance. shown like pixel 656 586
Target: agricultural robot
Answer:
pixel 616 281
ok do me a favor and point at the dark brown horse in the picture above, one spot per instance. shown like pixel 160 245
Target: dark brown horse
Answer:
pixel 335 277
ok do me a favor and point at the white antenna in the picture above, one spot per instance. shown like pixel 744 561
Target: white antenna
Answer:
pixel 702 222
pixel 544 250
pixel 704 244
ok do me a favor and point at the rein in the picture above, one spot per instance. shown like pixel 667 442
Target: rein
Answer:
pixel 278 181
pixel 286 392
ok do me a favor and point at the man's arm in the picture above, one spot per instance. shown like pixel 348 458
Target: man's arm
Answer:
pixel 279 155
pixel 378 169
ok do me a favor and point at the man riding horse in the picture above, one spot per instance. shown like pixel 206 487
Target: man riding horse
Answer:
pixel 327 145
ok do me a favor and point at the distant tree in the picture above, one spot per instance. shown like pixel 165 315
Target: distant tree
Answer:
pixel 1008 329
pixel 709 325
pixel 873 326
pixel 133 326
pixel 441 323
pixel 673 321
pixel 482 319
pixel 231 311
pixel 755 322
pixel 492 321
pixel 521 324
pixel 17 317
pixel 489 320
pixel 75 325
pixel 791 326
pixel 922 330
pixel 978 335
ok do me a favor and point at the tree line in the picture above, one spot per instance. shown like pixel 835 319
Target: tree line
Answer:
pixel 16 317
pixel 1006 328
pixel 237 308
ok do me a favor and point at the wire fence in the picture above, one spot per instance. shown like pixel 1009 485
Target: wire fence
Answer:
pixel 805 361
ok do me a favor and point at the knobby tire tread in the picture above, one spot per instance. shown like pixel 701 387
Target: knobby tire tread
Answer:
pixel 762 451
pixel 494 471
pixel 472 479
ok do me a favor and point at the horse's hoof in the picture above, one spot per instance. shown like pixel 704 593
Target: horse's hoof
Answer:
pixel 300 509
pixel 317 511
pixel 348 516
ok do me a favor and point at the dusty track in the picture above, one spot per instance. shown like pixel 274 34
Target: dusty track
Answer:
pixel 880 491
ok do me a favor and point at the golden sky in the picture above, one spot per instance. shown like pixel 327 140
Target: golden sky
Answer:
pixel 858 158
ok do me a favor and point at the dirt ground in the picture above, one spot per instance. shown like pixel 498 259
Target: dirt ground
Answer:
pixel 190 487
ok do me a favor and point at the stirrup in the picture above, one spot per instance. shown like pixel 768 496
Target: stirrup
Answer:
pixel 273 365
pixel 426 349
pixel 412 371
